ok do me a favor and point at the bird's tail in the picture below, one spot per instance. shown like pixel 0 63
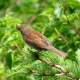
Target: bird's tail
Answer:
pixel 58 52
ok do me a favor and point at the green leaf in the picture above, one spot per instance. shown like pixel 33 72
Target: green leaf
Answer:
pixel 9 60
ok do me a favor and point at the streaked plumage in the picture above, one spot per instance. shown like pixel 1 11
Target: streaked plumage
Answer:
pixel 38 40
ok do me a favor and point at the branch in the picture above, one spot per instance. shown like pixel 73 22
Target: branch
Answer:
pixel 63 72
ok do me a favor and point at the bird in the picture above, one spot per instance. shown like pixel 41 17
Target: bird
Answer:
pixel 38 40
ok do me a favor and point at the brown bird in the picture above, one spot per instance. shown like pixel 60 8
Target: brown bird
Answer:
pixel 39 41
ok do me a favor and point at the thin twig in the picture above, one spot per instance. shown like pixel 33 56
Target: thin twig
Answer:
pixel 62 70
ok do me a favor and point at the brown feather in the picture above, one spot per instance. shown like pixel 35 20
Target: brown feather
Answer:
pixel 39 41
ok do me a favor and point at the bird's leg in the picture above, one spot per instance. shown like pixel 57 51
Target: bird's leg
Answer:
pixel 35 53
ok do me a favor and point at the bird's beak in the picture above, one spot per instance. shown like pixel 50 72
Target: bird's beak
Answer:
pixel 19 27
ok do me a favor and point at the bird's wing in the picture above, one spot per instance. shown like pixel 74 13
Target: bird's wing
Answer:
pixel 38 39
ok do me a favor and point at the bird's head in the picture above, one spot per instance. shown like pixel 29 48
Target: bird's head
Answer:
pixel 21 28
pixel 24 29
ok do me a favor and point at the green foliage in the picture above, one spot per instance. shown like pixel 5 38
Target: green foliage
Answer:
pixel 59 21
pixel 9 60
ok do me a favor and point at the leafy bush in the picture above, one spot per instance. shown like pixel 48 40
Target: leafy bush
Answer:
pixel 59 21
